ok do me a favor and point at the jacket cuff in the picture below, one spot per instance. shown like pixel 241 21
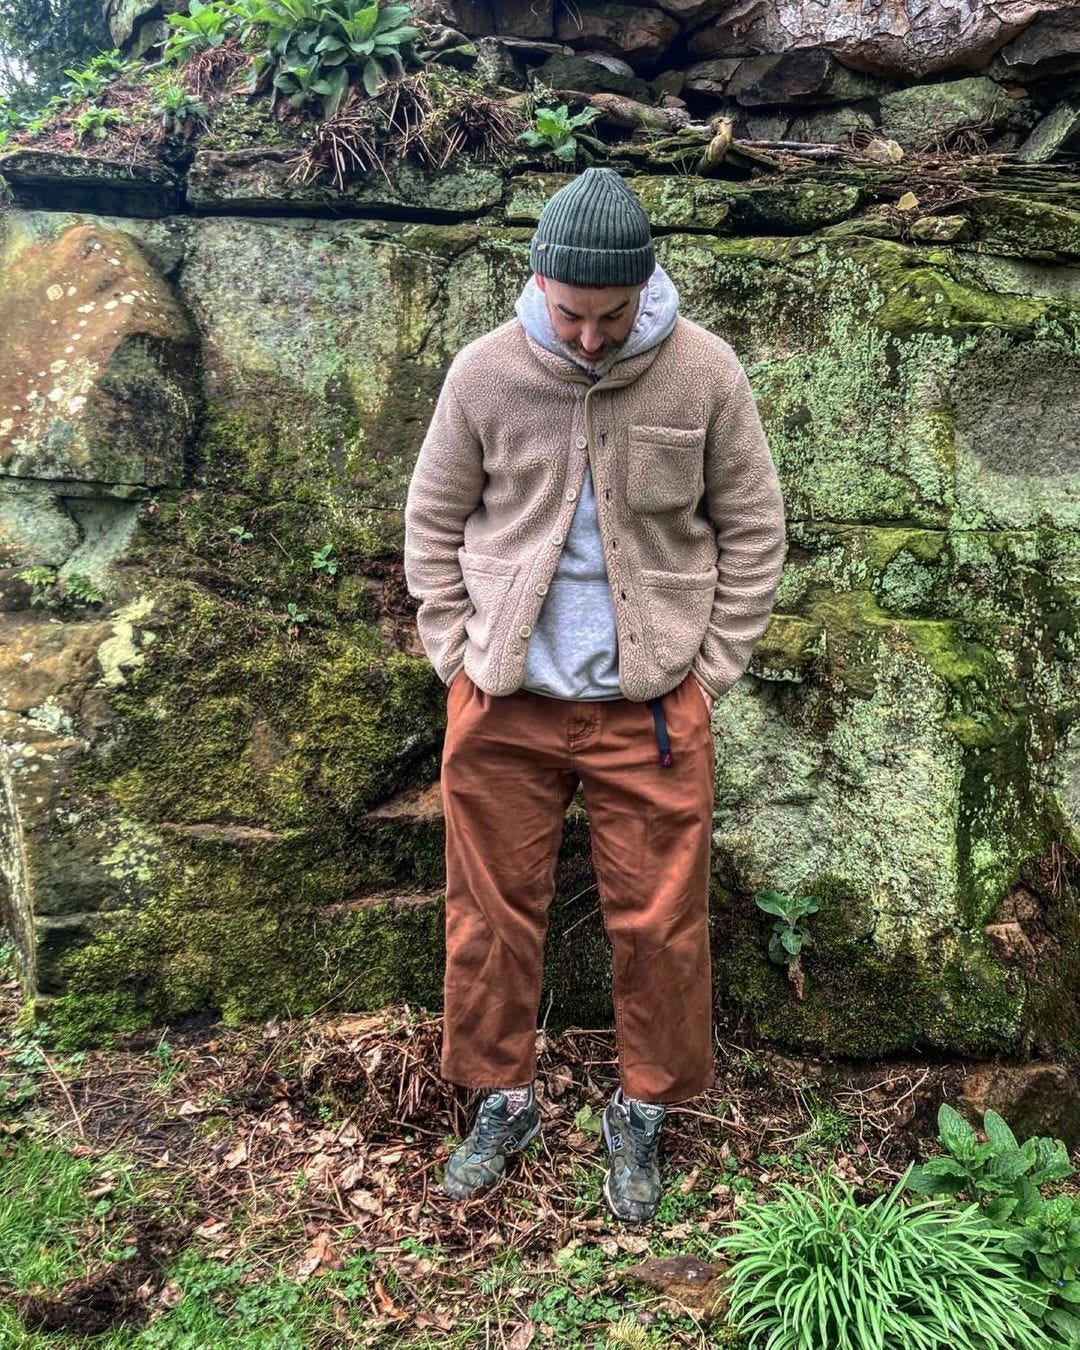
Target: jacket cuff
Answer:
pixel 718 688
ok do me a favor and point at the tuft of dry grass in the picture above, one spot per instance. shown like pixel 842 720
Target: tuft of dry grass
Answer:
pixel 418 118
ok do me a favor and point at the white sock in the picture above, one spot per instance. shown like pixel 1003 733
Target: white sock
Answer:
pixel 516 1098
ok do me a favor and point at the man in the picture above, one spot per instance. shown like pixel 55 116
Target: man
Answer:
pixel 595 533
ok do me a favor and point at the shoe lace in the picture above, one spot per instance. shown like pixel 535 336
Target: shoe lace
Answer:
pixel 487 1131
pixel 645 1146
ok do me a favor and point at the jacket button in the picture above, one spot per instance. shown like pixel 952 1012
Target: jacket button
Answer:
pixel 570 494
pixel 582 442
pixel 556 539
pixel 524 631
pixel 541 589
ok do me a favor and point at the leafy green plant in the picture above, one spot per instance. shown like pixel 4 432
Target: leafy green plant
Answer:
pixel 240 534
pixel 294 617
pixel 321 560
pixel 32 121
pixel 1049 1245
pixel 41 580
pixel 788 937
pixel 314 49
pixel 1000 1175
pixel 80 587
pixel 816 1268
pixel 1003 1178
pixel 372 36
pixel 91 80
pixel 589 1120
pixel 204 26
pixel 179 110
pixel 96 122
pixel 569 1311
pixel 558 131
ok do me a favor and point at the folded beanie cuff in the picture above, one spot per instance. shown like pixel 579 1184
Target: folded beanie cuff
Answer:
pixel 577 266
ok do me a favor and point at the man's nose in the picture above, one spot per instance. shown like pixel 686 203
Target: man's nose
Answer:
pixel 591 339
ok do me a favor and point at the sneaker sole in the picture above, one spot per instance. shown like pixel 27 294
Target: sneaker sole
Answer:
pixel 518 1148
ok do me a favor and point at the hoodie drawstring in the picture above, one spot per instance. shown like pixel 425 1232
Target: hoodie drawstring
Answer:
pixel 662 742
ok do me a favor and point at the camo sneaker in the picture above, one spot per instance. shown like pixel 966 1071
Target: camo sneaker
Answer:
pixel 632 1135
pixel 480 1160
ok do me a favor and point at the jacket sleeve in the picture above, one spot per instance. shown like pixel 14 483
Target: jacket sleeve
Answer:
pixel 742 493
pixel 446 487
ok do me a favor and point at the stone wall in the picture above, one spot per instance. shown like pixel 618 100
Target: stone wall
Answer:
pixel 219 759
pixel 998 76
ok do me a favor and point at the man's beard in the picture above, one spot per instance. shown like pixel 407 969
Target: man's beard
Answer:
pixel 608 349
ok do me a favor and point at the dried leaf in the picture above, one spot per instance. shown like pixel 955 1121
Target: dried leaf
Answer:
pixel 169 1295
pixel 320 1253
pixel 350 1176
pixel 236 1156
pixel 635 1245
pixel 523 1337
pixel 365 1201
pixel 689 1181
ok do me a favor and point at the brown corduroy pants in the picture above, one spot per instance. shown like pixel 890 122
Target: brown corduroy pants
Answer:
pixel 510 768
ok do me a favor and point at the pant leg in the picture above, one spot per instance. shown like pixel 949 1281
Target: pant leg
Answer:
pixel 651 837
pixel 506 785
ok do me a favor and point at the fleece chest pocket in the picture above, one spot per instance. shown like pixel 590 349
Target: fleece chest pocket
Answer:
pixel 665 468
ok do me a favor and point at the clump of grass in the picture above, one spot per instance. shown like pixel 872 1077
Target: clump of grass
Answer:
pixel 815 1267
pixel 421 117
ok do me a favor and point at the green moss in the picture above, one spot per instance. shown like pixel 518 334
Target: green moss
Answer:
pixel 254 932
pixel 797 207
pixel 92 1019
pixel 859 1001
pixel 788 648
pixel 240 122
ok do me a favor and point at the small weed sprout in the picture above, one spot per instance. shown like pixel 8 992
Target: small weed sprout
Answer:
pixel 240 535
pixel 294 618
pixel 558 131
pixel 179 110
pixel 41 581
pixel 81 588
pixel 788 937
pixel 321 560
pixel 96 122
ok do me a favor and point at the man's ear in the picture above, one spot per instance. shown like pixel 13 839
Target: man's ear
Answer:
pixel 540 281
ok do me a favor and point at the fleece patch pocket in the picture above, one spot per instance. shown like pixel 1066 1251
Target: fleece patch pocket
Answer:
pixel 665 468
pixel 488 581
pixel 678 607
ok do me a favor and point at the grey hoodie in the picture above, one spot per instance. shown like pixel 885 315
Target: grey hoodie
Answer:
pixel 574 652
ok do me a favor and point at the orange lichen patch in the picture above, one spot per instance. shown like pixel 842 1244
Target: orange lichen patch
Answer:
pixel 96 362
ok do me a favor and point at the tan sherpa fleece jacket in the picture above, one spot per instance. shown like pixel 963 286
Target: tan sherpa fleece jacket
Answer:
pixel 687 496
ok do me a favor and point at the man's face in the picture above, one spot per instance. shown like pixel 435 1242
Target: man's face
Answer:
pixel 593 321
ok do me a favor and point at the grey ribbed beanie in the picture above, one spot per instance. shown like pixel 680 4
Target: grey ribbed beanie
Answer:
pixel 594 232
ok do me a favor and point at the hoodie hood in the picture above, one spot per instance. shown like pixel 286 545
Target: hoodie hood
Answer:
pixel 658 308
